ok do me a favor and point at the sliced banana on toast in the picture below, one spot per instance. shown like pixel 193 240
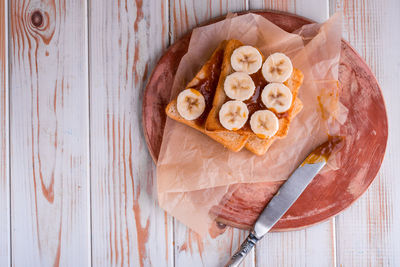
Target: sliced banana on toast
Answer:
pixel 246 59
pixel 239 86
pixel 277 68
pixel 233 115
pixel 190 104
pixel 264 123
pixel 277 97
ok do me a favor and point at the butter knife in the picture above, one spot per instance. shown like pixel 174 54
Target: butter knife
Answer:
pixel 288 193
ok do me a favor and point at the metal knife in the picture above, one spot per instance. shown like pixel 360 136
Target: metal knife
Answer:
pixel 284 199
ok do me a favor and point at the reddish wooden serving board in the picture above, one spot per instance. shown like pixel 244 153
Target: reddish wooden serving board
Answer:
pixel 366 131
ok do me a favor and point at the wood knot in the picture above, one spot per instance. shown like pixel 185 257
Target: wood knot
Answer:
pixel 37 19
pixel 221 225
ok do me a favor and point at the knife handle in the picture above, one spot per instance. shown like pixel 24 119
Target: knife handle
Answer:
pixel 244 249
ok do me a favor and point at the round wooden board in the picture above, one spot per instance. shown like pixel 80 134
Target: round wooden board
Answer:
pixel 366 131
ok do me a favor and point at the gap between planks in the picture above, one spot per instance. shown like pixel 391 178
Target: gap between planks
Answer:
pixel 5 76
pixel 88 43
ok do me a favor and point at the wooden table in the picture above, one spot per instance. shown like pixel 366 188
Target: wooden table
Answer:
pixel 77 185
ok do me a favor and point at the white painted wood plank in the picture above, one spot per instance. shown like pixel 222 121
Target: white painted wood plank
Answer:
pixel 4 148
pixel 129 228
pixel 314 246
pixel 49 133
pixel 317 10
pixel 368 232
pixel 187 14
pixel 190 249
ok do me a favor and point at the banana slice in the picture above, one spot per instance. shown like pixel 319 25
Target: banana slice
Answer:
pixel 277 68
pixel 246 59
pixel 239 86
pixel 264 123
pixel 277 97
pixel 233 115
pixel 190 104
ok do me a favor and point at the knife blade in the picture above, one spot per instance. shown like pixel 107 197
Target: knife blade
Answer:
pixel 288 193
pixel 286 196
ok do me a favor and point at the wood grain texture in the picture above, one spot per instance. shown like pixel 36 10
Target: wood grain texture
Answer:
pixel 368 232
pixel 49 133
pixel 187 14
pixel 128 227
pixel 317 10
pixel 213 250
pixel 4 152
pixel 313 246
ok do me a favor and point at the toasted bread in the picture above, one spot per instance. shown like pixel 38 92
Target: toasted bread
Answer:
pixel 231 140
pixel 260 146
pixel 212 123
pixel 255 144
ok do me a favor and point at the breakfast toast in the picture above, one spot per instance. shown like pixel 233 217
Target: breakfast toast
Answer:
pixel 255 144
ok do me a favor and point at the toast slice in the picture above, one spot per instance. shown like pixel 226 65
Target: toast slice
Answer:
pixel 206 81
pixel 260 146
pixel 212 122
pixel 254 144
